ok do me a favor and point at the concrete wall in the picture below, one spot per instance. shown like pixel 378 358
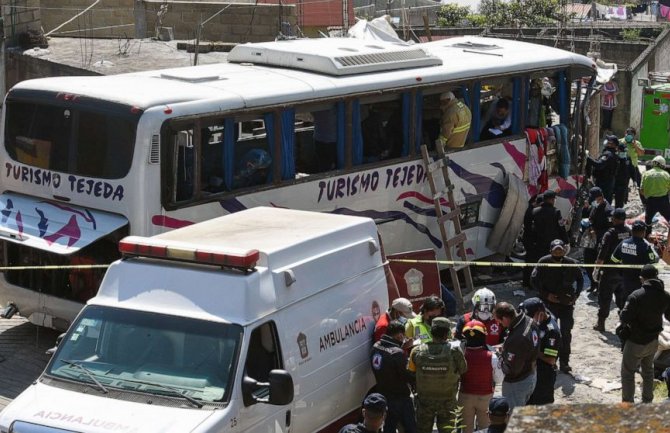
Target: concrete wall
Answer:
pixel 661 59
pixel 237 23
pixel 636 96
pixel 20 16
pixel 138 18
pixel 108 18
pixel 20 67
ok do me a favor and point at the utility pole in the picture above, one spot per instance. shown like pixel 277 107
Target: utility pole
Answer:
pixel 345 17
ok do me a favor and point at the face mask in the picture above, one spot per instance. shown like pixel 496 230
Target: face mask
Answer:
pixel 629 138
pixel 484 315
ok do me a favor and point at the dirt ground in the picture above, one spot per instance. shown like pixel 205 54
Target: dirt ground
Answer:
pixel 596 357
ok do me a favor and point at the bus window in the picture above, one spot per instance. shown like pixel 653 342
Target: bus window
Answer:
pixel 212 173
pixel 305 155
pixel 435 108
pixel 542 103
pixel 253 160
pixel 316 138
pixel 93 139
pixel 325 139
pixel 496 109
pixel 431 119
pixel 183 160
pixel 381 128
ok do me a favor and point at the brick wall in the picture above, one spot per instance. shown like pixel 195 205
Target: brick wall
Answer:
pixel 108 18
pixel 20 17
pixel 237 23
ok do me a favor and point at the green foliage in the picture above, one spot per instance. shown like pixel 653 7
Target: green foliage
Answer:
pixel 522 13
pixel 660 391
pixel 476 20
pixel 630 34
pixel 457 420
pixel 451 15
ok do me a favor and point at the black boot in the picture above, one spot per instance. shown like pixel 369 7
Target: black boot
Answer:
pixel 600 326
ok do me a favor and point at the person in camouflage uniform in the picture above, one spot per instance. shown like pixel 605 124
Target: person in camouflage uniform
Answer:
pixel 438 367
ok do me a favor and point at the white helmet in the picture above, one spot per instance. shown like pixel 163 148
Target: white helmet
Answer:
pixel 658 161
pixel 483 301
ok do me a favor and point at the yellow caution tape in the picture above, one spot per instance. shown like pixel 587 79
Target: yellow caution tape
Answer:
pixel 658 266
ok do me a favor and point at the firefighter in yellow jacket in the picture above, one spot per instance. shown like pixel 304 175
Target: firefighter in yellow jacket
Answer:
pixel 455 122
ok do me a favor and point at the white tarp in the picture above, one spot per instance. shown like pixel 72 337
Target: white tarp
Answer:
pixel 379 29
pixel 605 71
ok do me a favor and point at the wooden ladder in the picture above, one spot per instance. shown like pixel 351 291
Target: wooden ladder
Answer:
pixel 433 169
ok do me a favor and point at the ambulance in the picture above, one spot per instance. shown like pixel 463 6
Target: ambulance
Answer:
pixel 258 321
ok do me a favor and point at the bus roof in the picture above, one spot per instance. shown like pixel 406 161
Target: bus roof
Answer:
pixel 233 86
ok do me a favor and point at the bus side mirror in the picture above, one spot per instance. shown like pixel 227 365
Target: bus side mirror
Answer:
pixel 277 391
pixel 51 351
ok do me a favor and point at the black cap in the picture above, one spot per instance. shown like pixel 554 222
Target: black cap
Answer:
pixel 649 271
pixel 557 243
pixel 531 306
pixel 639 225
pixel 498 406
pixel 595 192
pixel 619 213
pixel 550 193
pixel 375 402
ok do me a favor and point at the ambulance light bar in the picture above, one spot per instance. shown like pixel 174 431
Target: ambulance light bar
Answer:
pixel 137 246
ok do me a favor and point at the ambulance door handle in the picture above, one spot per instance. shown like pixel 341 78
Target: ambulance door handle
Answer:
pixel 288 418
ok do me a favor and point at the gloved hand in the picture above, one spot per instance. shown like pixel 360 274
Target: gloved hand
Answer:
pixel 595 276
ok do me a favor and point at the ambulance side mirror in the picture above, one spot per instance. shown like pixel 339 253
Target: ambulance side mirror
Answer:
pixel 281 387
pixel 52 350
pixel 277 391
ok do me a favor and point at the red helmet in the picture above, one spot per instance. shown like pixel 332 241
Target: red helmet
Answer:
pixel 473 327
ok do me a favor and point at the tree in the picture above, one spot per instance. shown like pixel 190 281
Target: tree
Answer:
pixel 522 13
pixel 452 14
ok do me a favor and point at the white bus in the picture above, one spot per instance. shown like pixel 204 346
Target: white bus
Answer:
pixel 331 125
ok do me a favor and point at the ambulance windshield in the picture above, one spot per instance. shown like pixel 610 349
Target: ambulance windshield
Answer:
pixel 123 350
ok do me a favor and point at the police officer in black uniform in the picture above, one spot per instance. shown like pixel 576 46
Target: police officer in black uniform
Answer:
pixel 528 239
pixel 601 213
pixel 610 278
pixel 633 251
pixel 374 411
pixel 389 365
pixel 546 223
pixel 559 288
pixel 550 343
pixel 623 176
pixel 605 167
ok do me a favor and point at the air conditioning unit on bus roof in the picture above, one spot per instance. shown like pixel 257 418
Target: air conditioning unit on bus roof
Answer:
pixel 334 56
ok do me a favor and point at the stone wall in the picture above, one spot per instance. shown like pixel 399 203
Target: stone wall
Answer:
pixel 591 418
pixel 237 23
pixel 108 18
pixel 19 17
